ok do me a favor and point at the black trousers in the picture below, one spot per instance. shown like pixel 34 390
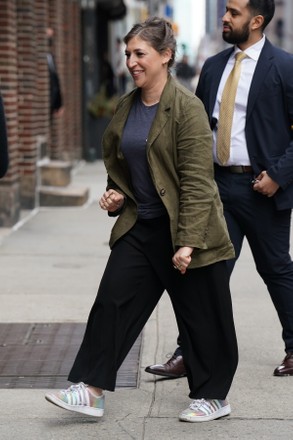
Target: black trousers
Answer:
pixel 138 271
pixel 254 216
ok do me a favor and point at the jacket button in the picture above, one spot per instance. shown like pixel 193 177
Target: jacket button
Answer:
pixel 162 192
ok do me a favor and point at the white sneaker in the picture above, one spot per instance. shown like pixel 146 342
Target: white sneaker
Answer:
pixel 78 398
pixel 202 410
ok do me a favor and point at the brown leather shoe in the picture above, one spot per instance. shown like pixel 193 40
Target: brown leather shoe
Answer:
pixel 286 367
pixel 174 368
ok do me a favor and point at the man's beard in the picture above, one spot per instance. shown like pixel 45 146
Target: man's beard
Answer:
pixel 237 37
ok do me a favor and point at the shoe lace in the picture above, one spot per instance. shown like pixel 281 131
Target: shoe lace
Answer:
pixel 197 404
pixel 75 388
pixel 76 393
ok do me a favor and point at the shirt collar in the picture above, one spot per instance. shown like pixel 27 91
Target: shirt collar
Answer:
pixel 253 51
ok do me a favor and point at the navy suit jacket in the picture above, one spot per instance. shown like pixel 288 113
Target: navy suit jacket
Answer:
pixel 269 117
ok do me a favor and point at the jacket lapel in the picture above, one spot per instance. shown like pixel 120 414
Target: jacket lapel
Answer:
pixel 217 72
pixel 261 71
pixel 163 113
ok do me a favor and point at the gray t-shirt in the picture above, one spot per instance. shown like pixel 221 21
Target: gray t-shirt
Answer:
pixel 133 147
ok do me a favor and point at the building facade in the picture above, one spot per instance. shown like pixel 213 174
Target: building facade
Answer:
pixel 24 84
pixel 80 35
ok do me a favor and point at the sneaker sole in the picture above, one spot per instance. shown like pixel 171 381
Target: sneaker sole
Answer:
pixel 223 412
pixel 95 412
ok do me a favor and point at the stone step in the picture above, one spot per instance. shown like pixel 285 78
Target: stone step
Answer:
pixel 63 196
pixel 55 173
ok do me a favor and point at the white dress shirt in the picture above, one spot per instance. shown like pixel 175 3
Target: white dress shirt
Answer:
pixel 238 149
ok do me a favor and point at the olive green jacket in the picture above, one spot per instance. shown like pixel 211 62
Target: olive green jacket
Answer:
pixel 179 152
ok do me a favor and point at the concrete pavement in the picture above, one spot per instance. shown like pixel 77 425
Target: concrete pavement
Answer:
pixel 50 266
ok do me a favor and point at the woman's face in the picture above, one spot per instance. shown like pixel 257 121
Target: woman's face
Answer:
pixel 145 64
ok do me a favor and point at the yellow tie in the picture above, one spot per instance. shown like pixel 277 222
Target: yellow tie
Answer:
pixel 227 110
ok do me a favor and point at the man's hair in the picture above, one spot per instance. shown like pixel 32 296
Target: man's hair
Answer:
pixel 266 8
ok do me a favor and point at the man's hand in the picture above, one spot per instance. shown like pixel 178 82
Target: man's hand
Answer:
pixel 265 185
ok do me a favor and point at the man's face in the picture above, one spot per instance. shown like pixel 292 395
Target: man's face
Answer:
pixel 237 22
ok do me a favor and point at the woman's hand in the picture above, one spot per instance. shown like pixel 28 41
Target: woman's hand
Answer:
pixel 111 201
pixel 182 258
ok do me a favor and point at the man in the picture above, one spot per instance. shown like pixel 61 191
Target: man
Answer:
pixel 256 180
pixel 56 105
pixel 120 67
pixel 3 142
pixel 185 73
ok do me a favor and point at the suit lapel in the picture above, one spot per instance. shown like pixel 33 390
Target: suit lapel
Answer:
pixel 218 70
pixel 261 71
pixel 212 80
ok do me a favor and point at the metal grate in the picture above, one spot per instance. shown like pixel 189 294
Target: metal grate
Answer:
pixel 41 355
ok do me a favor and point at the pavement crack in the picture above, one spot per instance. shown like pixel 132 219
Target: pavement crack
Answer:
pixel 126 431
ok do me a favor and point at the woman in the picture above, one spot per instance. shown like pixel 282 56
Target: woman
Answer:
pixel 3 141
pixel 170 235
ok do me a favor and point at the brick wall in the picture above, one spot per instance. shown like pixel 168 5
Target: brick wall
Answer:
pixel 64 18
pixel 56 22
pixel 9 185
pixel 24 84
pixel 27 57
pixel 42 89
pixel 71 54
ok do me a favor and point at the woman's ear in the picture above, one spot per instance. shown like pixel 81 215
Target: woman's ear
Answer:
pixel 167 55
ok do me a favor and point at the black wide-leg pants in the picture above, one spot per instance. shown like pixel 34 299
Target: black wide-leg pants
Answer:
pixel 138 271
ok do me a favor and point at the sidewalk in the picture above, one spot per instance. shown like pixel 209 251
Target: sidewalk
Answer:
pixel 50 266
